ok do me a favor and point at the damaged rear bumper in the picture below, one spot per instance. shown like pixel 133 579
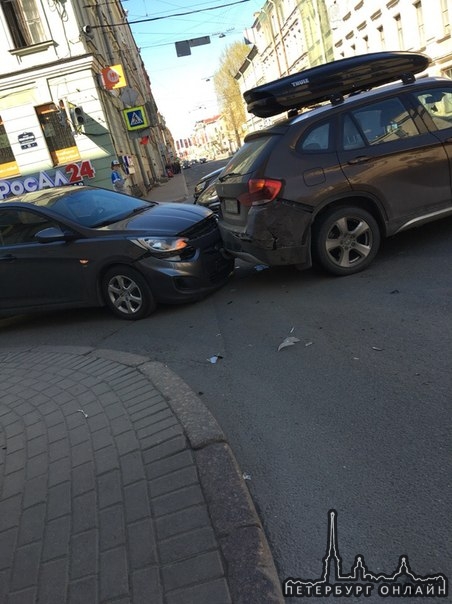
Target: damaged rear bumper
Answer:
pixel 276 236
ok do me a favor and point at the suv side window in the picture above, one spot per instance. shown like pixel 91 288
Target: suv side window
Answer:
pixel 351 136
pixel 385 121
pixel 20 226
pixel 317 139
pixel 438 104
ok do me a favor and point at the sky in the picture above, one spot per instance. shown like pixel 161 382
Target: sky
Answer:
pixel 181 86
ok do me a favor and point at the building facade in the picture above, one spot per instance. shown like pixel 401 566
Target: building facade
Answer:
pixel 212 139
pixel 74 96
pixel 360 27
pixel 287 36
pixel 291 35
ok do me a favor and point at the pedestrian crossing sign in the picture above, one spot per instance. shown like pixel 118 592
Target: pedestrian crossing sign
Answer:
pixel 136 118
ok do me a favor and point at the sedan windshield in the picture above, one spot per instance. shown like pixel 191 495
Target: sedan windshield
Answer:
pixel 90 207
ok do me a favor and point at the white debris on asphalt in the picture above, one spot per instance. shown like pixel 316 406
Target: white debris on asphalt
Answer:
pixel 214 359
pixel 246 476
pixel 290 341
pixel 81 411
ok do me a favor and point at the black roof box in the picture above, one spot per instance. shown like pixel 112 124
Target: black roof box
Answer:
pixel 331 81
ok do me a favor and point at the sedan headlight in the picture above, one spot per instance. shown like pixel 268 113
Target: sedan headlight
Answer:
pixel 163 247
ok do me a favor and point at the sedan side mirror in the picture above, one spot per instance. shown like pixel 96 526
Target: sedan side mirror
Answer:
pixel 53 234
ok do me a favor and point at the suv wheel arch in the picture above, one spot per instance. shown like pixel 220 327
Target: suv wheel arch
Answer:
pixel 371 205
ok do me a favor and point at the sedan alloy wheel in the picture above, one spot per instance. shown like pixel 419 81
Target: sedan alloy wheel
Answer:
pixel 127 294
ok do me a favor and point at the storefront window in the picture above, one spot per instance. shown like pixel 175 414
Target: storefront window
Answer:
pixel 8 165
pixel 57 133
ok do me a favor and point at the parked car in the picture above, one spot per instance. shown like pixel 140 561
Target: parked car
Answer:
pixel 205 181
pixel 186 164
pixel 71 247
pixel 209 197
pixel 329 183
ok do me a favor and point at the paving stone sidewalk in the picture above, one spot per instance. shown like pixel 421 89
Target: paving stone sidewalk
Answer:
pixel 175 189
pixel 118 486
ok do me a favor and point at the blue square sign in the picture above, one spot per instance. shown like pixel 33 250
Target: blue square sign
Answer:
pixel 136 118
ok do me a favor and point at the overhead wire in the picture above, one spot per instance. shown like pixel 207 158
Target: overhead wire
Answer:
pixel 192 12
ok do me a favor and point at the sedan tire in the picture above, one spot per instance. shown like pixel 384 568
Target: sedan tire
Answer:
pixel 346 240
pixel 127 293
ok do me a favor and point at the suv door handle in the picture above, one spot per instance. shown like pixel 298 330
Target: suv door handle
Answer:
pixel 361 159
pixel 7 258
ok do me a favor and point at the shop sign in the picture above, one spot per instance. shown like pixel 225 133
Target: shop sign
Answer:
pixel 9 169
pixel 71 174
pixel 113 77
pixel 27 140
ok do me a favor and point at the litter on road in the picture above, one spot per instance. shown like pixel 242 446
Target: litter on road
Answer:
pixel 290 341
pixel 214 359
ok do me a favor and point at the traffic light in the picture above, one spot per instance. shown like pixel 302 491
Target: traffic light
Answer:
pixel 79 116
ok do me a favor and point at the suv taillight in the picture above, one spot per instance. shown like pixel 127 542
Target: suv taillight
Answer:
pixel 260 191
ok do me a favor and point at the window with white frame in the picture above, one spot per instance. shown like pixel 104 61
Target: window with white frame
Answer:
pixel 445 17
pixel 381 35
pixel 398 23
pixel 420 23
pixel 24 22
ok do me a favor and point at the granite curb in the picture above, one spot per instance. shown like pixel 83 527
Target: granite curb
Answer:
pixel 249 567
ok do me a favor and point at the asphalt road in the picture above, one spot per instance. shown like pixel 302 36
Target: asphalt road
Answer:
pixel 355 416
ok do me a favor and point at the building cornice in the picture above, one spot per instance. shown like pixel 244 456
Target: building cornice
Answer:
pixel 51 69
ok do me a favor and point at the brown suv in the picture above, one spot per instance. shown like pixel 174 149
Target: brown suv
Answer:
pixel 329 183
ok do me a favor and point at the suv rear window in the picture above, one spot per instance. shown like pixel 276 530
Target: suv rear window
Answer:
pixel 242 162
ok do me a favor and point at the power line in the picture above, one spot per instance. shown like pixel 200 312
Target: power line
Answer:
pixel 199 10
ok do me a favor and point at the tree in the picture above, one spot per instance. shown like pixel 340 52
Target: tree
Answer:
pixel 227 89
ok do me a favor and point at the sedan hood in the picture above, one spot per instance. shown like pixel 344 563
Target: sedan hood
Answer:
pixel 162 220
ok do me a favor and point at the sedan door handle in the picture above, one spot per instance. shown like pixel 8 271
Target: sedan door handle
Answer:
pixel 361 159
pixel 7 258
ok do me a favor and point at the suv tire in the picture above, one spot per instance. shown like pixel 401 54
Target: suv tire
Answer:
pixel 346 240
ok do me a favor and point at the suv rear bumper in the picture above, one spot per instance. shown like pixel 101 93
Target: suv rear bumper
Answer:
pixel 272 252
pixel 277 233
